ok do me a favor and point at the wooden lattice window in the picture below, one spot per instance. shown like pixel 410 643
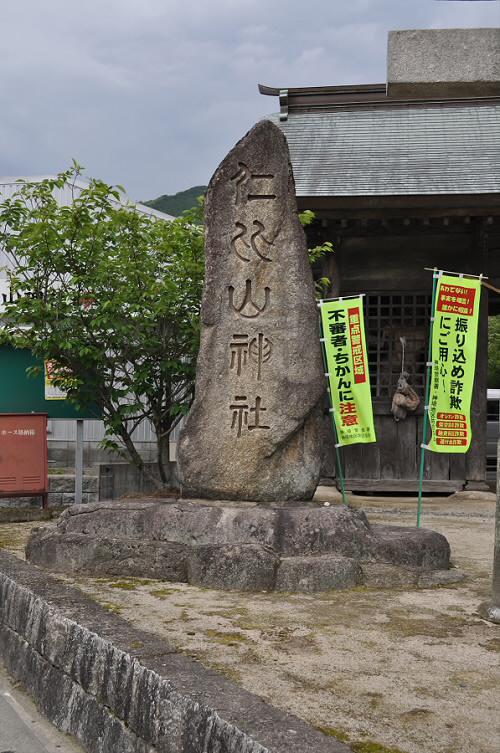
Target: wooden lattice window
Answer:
pixel 388 319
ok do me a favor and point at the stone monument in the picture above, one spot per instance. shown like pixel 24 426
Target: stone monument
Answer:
pixel 250 452
pixel 253 430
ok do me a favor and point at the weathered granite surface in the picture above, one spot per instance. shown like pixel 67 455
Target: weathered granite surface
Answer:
pixel 254 428
pixel 242 546
pixel 119 689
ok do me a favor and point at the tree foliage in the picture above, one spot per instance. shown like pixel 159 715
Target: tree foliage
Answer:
pixel 494 352
pixel 112 296
pixel 317 252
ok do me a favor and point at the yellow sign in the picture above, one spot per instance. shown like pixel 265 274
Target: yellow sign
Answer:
pixel 454 341
pixel 52 392
pixel 347 363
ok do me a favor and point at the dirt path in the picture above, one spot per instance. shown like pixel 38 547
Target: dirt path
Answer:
pixel 411 670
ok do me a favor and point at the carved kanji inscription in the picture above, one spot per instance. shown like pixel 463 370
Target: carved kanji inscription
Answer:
pixel 257 242
pixel 246 180
pixel 244 413
pixel 245 349
pixel 249 308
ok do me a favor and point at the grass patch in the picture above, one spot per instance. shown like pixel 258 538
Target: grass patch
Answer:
pixel 375 699
pixel 136 644
pixel 359 746
pixel 368 746
pixel 124 585
pixel 162 593
pixel 130 584
pixel 227 639
pixel 334 732
pixel 492 645
pixel 228 672
pixel 436 626
pixel 9 542
pixel 111 607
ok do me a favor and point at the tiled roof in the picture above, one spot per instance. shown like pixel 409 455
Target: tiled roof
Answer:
pixel 438 149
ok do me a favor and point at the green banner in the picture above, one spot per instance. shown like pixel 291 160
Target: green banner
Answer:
pixel 454 341
pixel 347 365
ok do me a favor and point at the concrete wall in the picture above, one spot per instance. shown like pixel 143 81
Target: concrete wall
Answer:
pixel 61 492
pixel 109 481
pixel 118 479
pixel 443 63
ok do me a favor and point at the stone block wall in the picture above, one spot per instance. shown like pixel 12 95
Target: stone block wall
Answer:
pixel 117 688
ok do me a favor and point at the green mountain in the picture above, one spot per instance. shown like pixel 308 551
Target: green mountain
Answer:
pixel 175 204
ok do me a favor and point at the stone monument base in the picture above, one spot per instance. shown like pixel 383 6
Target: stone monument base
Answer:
pixel 241 545
pixel 489 611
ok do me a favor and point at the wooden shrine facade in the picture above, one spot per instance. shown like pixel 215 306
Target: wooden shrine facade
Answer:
pixel 398 186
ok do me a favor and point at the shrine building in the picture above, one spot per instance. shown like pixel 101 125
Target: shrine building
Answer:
pixel 405 175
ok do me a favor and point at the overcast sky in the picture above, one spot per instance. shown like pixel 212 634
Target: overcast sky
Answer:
pixel 153 93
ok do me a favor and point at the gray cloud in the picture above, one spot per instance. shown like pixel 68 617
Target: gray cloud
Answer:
pixel 152 93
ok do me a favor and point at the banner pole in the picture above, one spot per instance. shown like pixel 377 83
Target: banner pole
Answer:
pixel 435 278
pixel 335 435
pixel 339 464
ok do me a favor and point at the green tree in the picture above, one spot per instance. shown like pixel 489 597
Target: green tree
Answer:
pixel 111 296
pixel 316 253
pixel 494 352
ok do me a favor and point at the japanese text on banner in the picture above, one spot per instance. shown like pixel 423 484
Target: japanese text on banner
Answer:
pixel 347 363
pixel 454 342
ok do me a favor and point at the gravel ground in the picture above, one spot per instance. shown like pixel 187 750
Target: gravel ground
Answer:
pixel 407 670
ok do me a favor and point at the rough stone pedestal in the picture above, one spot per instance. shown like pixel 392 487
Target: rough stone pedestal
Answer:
pixel 243 546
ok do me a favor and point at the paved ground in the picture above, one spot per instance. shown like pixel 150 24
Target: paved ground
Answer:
pixel 412 671
pixel 23 729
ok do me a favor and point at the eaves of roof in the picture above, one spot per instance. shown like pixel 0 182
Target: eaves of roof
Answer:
pixel 428 149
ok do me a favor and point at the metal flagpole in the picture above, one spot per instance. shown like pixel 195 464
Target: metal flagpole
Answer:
pixel 332 413
pixel 457 274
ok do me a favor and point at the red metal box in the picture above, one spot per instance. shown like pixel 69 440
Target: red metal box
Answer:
pixel 23 455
